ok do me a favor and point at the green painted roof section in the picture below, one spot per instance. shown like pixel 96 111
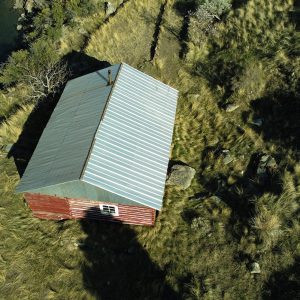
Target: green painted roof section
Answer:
pixel 64 146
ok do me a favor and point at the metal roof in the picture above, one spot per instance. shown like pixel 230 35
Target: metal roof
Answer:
pixel 127 152
pixel 66 140
pixel 131 150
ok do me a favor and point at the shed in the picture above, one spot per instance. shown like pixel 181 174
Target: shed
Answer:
pixel 104 153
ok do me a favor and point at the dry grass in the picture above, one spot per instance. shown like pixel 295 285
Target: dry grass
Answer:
pixel 203 248
pixel 128 37
pixel 11 128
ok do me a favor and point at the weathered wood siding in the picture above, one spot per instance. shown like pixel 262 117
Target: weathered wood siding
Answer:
pixel 56 208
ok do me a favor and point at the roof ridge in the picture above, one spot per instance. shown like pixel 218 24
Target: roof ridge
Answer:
pixel 101 118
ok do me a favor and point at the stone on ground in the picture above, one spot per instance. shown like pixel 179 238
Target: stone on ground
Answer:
pixel 181 176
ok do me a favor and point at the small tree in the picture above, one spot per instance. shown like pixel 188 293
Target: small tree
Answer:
pixel 40 69
pixel 203 19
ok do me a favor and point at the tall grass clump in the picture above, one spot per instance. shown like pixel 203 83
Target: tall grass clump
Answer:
pixel 273 214
pixel 11 128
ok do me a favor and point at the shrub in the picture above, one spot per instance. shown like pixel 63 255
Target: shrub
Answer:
pixel 203 19
pixel 39 68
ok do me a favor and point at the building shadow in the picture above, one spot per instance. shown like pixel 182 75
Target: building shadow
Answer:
pixel 23 149
pixel 284 284
pixel 117 266
pixel 79 64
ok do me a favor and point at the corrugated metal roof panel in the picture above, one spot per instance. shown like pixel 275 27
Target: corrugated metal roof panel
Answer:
pixel 64 145
pixel 125 157
pixel 131 148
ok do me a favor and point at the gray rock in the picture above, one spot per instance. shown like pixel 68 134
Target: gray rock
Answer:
pixel 267 164
pixel 255 268
pixel 258 122
pixel 7 148
pixel 181 176
pixel 131 250
pixel 216 199
pixel 82 31
pixel 19 27
pixel 109 8
pixel 200 196
pixel 231 107
pixel 228 159
pixel 213 142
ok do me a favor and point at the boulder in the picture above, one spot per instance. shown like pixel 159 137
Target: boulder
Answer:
pixel 255 268
pixel 109 8
pixel 266 166
pixel 227 159
pixel 258 122
pixel 181 176
pixel 200 196
pixel 231 107
pixel 6 148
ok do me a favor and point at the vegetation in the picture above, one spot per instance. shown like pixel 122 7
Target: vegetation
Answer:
pixel 198 249
pixel 39 69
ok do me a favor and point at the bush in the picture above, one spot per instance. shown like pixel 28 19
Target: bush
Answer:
pixel 203 19
pixel 39 68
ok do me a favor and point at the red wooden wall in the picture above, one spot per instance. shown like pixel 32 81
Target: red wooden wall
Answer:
pixel 56 208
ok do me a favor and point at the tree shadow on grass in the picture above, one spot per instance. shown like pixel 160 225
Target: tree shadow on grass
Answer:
pixel 281 120
pixel 79 64
pixel 238 3
pixel 183 8
pixel 239 197
pixel 280 115
pixel 117 266
pixel 284 284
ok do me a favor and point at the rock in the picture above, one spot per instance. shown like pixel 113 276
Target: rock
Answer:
pixel 19 27
pixel 29 5
pixel 18 4
pixel 82 31
pixel 7 148
pixel 216 199
pixel 258 122
pixel 231 107
pixel 181 176
pixel 231 180
pixel 227 159
pixel 213 142
pixel 200 196
pixel 109 8
pixel 267 165
pixel 255 268
pixel 131 250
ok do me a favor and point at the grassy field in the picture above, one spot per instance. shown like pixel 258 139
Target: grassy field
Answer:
pixel 197 249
